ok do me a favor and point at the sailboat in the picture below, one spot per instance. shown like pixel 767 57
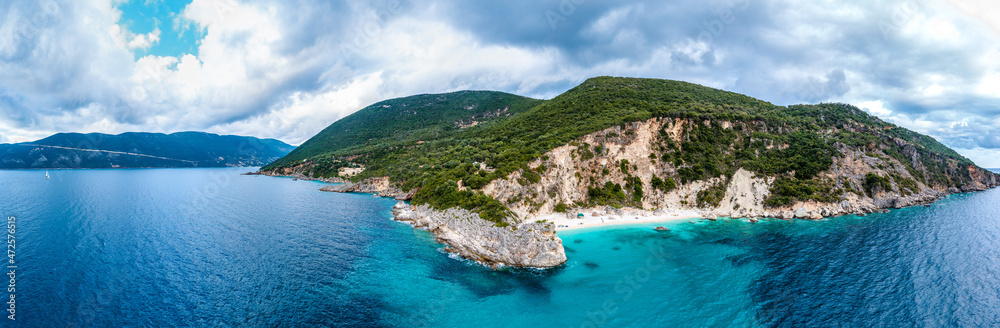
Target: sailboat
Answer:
pixel 46 174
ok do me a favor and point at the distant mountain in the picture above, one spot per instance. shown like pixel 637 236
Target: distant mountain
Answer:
pixel 139 150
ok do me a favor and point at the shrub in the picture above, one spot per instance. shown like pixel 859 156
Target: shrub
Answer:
pixel 663 185
pixel 610 194
pixel 875 183
pixel 531 176
pixel 560 208
pixel 786 191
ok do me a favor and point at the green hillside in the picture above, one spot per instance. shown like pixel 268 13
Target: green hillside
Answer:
pixel 812 133
pixel 182 149
pixel 401 122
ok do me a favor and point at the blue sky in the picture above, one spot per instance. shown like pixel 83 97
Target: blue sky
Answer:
pixel 144 17
pixel 287 69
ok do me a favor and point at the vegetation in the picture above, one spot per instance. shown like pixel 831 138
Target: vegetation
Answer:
pixel 664 185
pixel 875 183
pixel 432 142
pixel 712 196
pixel 786 191
pixel 561 208
pixel 610 194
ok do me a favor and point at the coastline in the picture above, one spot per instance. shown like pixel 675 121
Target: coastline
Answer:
pixel 534 241
pixel 566 222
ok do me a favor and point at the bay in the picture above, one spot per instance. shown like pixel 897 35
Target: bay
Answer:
pixel 211 247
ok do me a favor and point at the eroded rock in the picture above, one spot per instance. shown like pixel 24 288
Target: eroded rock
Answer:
pixel 534 245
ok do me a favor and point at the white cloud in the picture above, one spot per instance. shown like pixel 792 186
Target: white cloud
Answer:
pixel 987 158
pixel 610 22
pixel 875 107
pixel 279 70
pixel 984 11
pixel 130 41
pixel 305 114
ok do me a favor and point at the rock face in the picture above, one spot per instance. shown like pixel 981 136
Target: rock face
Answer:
pixel 745 195
pixel 532 245
pixel 381 186
pixel 568 172
pixel 616 154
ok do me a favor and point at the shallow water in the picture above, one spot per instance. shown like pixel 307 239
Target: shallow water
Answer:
pixel 208 247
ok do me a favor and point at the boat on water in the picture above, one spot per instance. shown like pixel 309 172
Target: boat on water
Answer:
pixel 46 174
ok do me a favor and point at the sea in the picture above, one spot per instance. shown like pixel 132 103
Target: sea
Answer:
pixel 214 248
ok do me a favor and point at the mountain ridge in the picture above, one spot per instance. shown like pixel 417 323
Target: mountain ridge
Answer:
pixel 794 143
pixel 140 150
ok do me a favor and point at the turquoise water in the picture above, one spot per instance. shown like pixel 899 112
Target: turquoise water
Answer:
pixel 209 247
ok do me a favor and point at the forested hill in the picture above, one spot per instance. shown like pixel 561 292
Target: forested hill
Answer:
pixel 134 150
pixel 457 149
pixel 403 122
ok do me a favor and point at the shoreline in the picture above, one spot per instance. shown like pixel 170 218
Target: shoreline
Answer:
pixel 567 222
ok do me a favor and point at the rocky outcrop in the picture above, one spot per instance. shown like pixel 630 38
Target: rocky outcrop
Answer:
pixel 296 175
pixel 532 245
pixel 407 196
pixel 981 180
pixel 380 186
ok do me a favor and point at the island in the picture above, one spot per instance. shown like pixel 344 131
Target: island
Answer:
pixel 495 175
pixel 141 150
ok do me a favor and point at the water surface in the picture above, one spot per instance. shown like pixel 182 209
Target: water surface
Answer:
pixel 208 247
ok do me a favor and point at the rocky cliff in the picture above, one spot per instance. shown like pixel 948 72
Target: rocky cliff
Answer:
pixel 633 155
pixel 527 244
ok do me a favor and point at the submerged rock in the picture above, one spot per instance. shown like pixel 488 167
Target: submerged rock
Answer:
pixel 534 245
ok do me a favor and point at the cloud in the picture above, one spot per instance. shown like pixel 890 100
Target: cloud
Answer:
pixel 130 41
pixel 875 107
pixel 287 69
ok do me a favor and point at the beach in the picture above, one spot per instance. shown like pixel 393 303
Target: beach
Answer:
pixel 570 221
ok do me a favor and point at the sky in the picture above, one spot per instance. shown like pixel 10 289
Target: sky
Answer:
pixel 287 69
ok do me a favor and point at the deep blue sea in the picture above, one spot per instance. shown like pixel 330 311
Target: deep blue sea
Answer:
pixel 212 248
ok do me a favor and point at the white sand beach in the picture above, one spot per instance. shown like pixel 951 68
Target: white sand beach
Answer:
pixel 569 221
